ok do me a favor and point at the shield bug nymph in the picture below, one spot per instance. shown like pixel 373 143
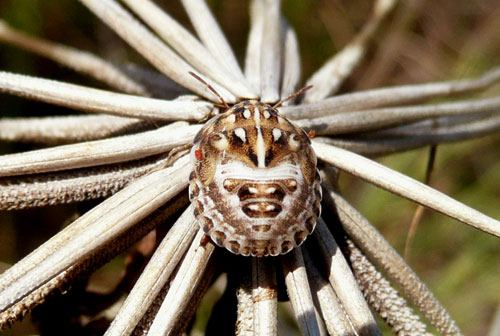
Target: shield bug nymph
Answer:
pixel 255 186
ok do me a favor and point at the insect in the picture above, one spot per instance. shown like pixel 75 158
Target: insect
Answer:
pixel 255 186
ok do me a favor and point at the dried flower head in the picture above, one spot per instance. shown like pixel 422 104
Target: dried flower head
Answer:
pixel 133 153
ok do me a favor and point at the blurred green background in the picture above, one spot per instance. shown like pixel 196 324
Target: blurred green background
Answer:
pixel 422 41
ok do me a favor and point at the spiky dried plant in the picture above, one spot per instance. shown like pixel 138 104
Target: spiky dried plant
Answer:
pixel 133 154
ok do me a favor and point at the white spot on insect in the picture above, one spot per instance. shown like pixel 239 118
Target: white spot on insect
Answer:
pixel 221 143
pixel 253 190
pixel 276 134
pixel 254 207
pixel 266 114
pixel 270 190
pixel 247 114
pixel 270 207
pixel 256 116
pixel 231 118
pixel 294 143
pixel 240 133
pixel 260 147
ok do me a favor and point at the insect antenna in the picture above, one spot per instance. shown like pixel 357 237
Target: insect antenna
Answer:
pixel 210 88
pixel 293 95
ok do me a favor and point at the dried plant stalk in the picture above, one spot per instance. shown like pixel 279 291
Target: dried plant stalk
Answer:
pixel 270 57
pixel 91 231
pixel 368 120
pixel 156 274
pixel 495 326
pixel 100 101
pixel 405 186
pixel 467 124
pixel 157 83
pixel 193 271
pixel 254 44
pixel 199 292
pixel 68 129
pixel 379 251
pixel 142 328
pixel 83 268
pixel 73 186
pixel 383 298
pixel 149 46
pixel 343 282
pixel 264 297
pixel 188 47
pixel 246 306
pixel 98 152
pixel 75 59
pixel 211 35
pixel 336 320
pixel 299 292
pixel 420 138
pixel 330 76
pixel 291 62
pixel 398 95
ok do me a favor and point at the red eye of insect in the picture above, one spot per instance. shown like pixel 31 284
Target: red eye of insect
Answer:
pixel 311 134
pixel 198 154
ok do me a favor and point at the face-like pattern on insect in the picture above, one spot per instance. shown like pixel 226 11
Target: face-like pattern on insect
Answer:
pixel 254 186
